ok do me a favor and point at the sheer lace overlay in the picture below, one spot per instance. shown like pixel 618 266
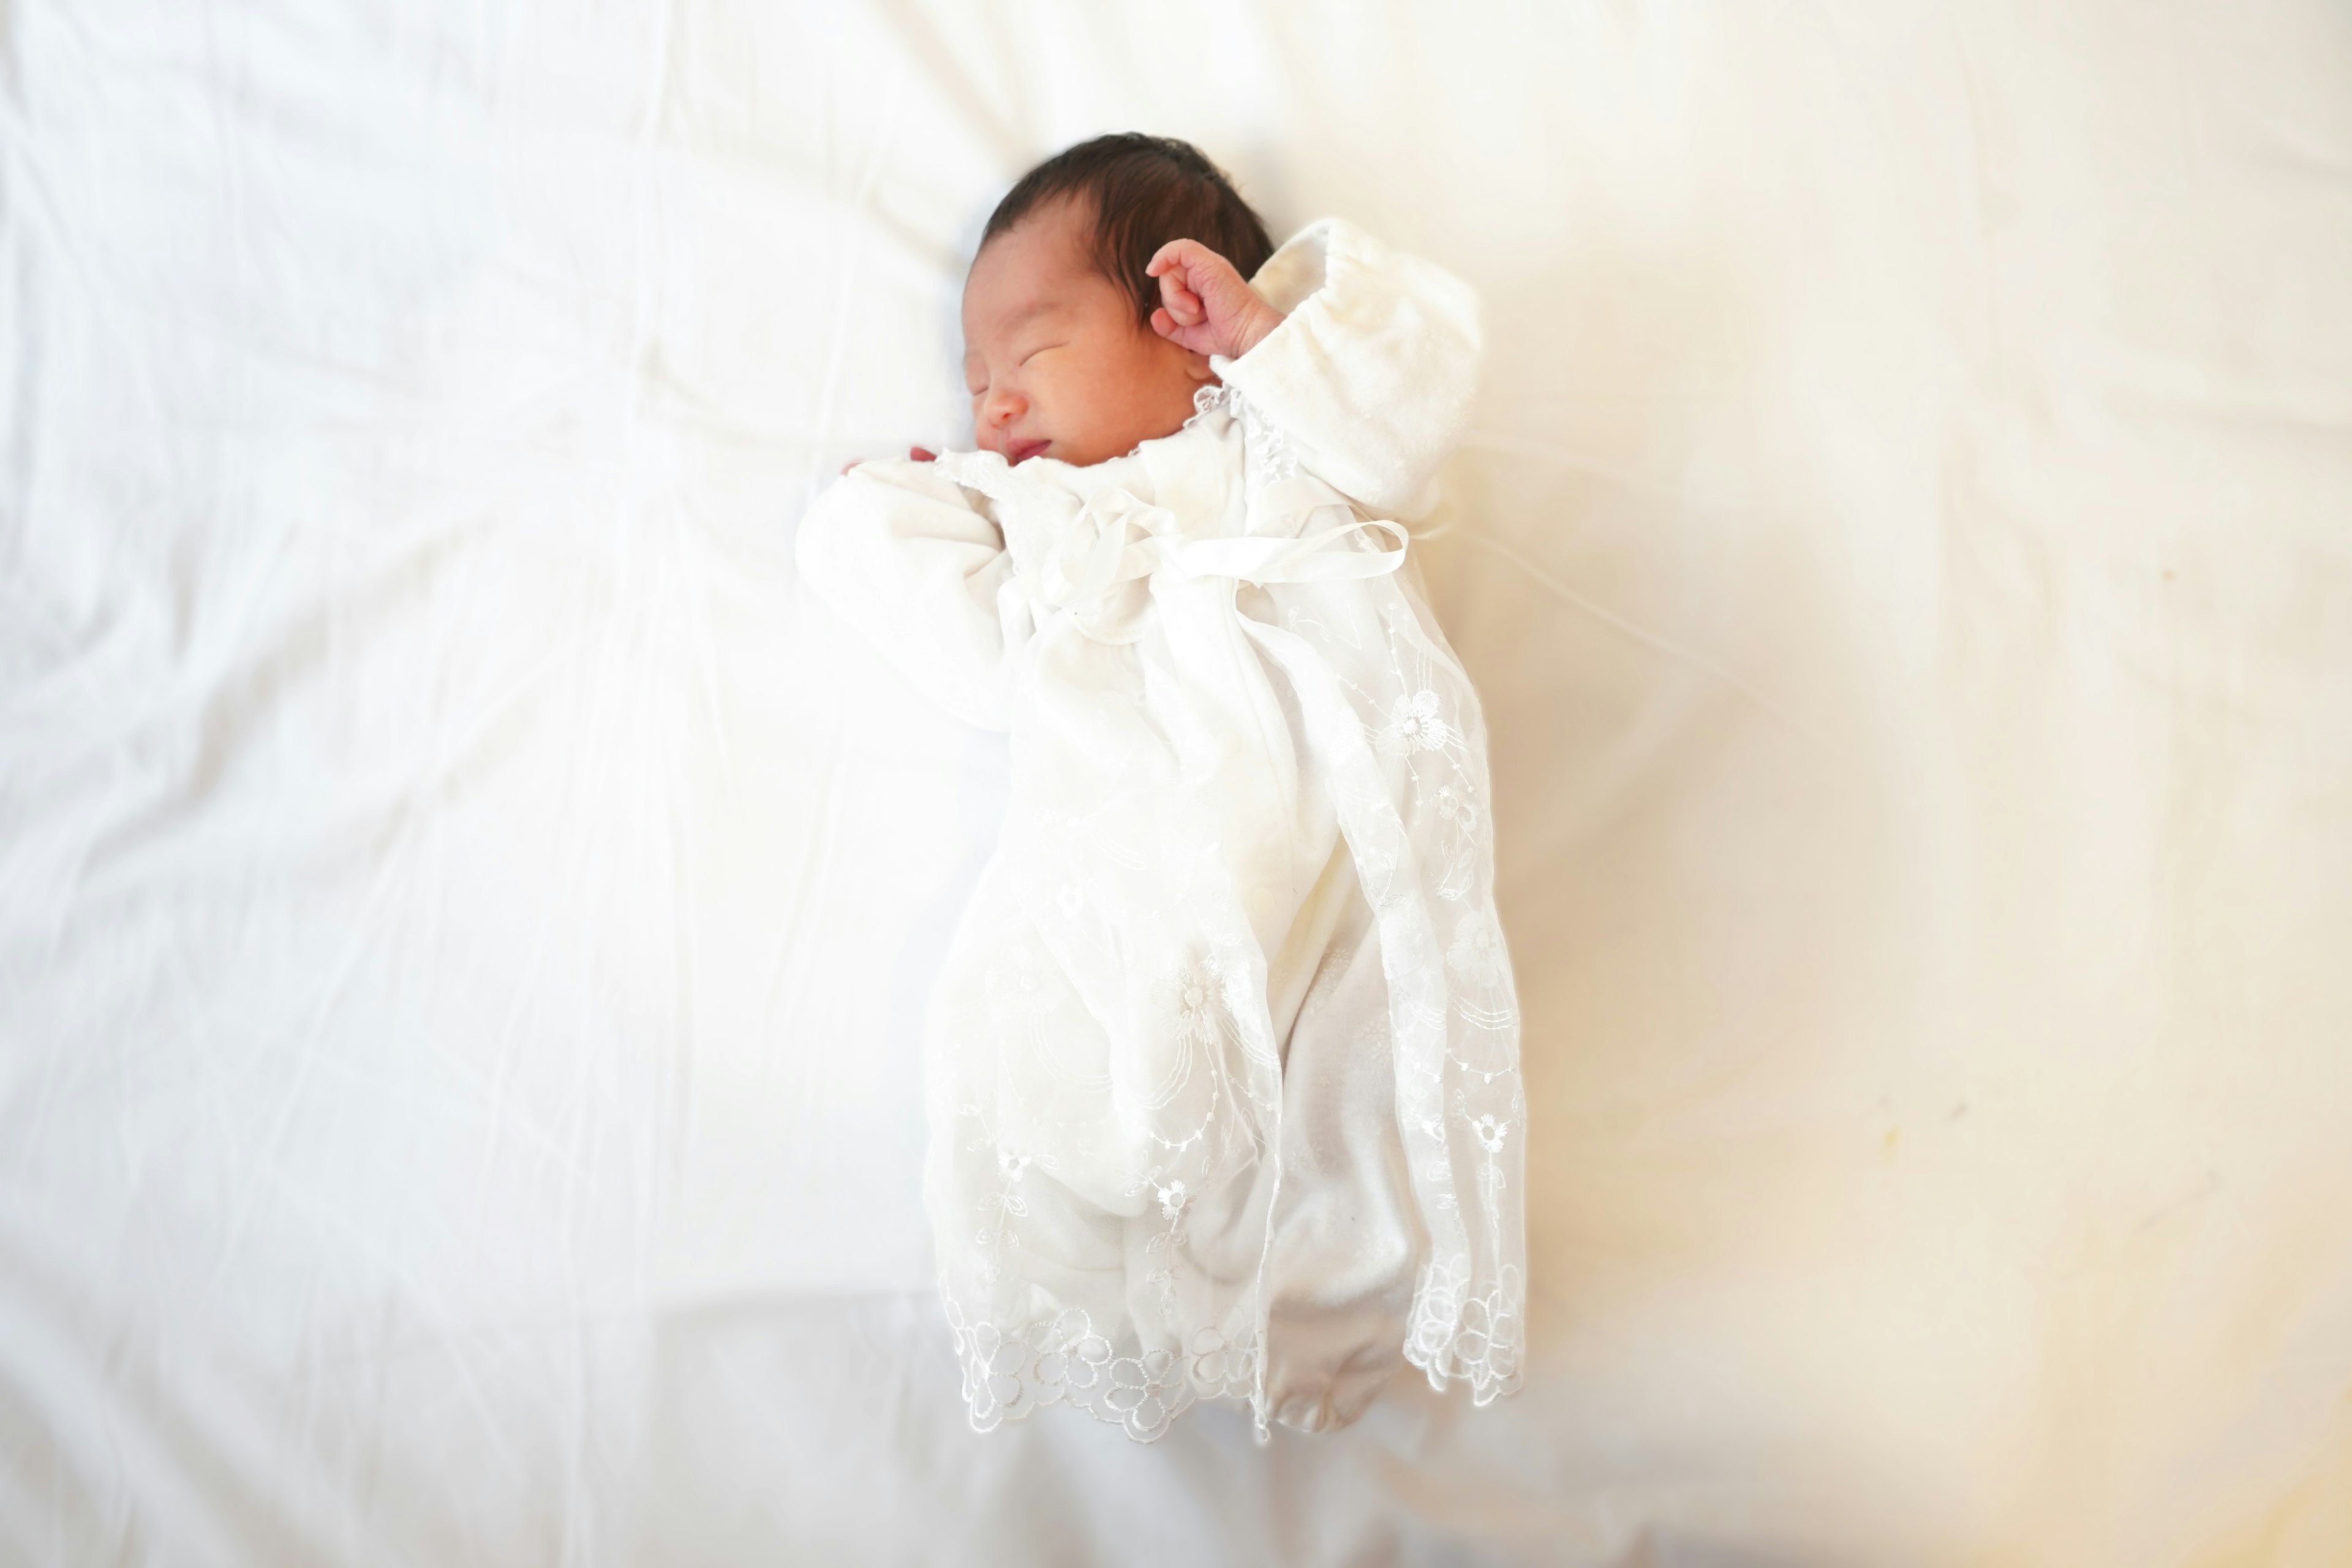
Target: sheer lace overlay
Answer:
pixel 1222 1070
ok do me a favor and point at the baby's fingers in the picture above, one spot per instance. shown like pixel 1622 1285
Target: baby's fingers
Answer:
pixel 1183 304
pixel 1169 257
pixel 1183 267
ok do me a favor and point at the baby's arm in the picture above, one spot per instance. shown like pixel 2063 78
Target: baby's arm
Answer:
pixel 899 553
pixel 1369 367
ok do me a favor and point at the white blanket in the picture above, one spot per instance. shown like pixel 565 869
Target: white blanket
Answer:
pixel 465 912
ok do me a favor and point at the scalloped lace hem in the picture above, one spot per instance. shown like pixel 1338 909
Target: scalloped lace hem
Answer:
pixel 1480 1339
pixel 1063 1361
pixel 1008 1374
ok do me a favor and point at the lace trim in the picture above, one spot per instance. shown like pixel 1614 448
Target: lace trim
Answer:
pixel 1479 1339
pixel 1273 457
pixel 1065 1362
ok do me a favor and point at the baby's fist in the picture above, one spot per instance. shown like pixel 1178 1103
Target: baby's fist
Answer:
pixel 1204 304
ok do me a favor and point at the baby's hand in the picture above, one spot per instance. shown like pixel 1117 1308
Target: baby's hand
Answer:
pixel 1205 304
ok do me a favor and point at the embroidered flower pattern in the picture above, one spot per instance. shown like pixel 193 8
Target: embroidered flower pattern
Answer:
pixel 1491 1134
pixel 1476 954
pixel 1174 1198
pixel 1475 1337
pixel 1191 998
pixel 1140 1390
pixel 1221 1366
pixel 1414 724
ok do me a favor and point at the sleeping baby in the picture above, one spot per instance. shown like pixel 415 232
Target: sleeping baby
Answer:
pixel 1222 1073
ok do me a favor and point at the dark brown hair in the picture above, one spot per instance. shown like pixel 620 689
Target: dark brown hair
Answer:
pixel 1143 191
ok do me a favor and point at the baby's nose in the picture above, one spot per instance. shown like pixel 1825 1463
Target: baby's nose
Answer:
pixel 1002 407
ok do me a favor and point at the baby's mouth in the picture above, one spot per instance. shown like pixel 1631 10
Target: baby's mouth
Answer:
pixel 1021 451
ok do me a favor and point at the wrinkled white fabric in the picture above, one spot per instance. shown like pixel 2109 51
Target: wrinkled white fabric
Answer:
pixel 465 909
pixel 1222 1077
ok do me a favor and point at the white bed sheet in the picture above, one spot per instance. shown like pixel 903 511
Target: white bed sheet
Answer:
pixel 461 939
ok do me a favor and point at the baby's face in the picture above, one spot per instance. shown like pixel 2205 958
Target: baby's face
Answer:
pixel 1057 365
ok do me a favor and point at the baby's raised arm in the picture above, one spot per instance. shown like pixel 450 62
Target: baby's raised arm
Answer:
pixel 1205 304
pixel 1369 368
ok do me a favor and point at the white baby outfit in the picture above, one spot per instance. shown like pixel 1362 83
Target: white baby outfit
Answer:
pixel 1222 1070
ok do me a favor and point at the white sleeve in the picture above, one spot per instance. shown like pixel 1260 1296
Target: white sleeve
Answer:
pixel 1370 375
pixel 900 554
